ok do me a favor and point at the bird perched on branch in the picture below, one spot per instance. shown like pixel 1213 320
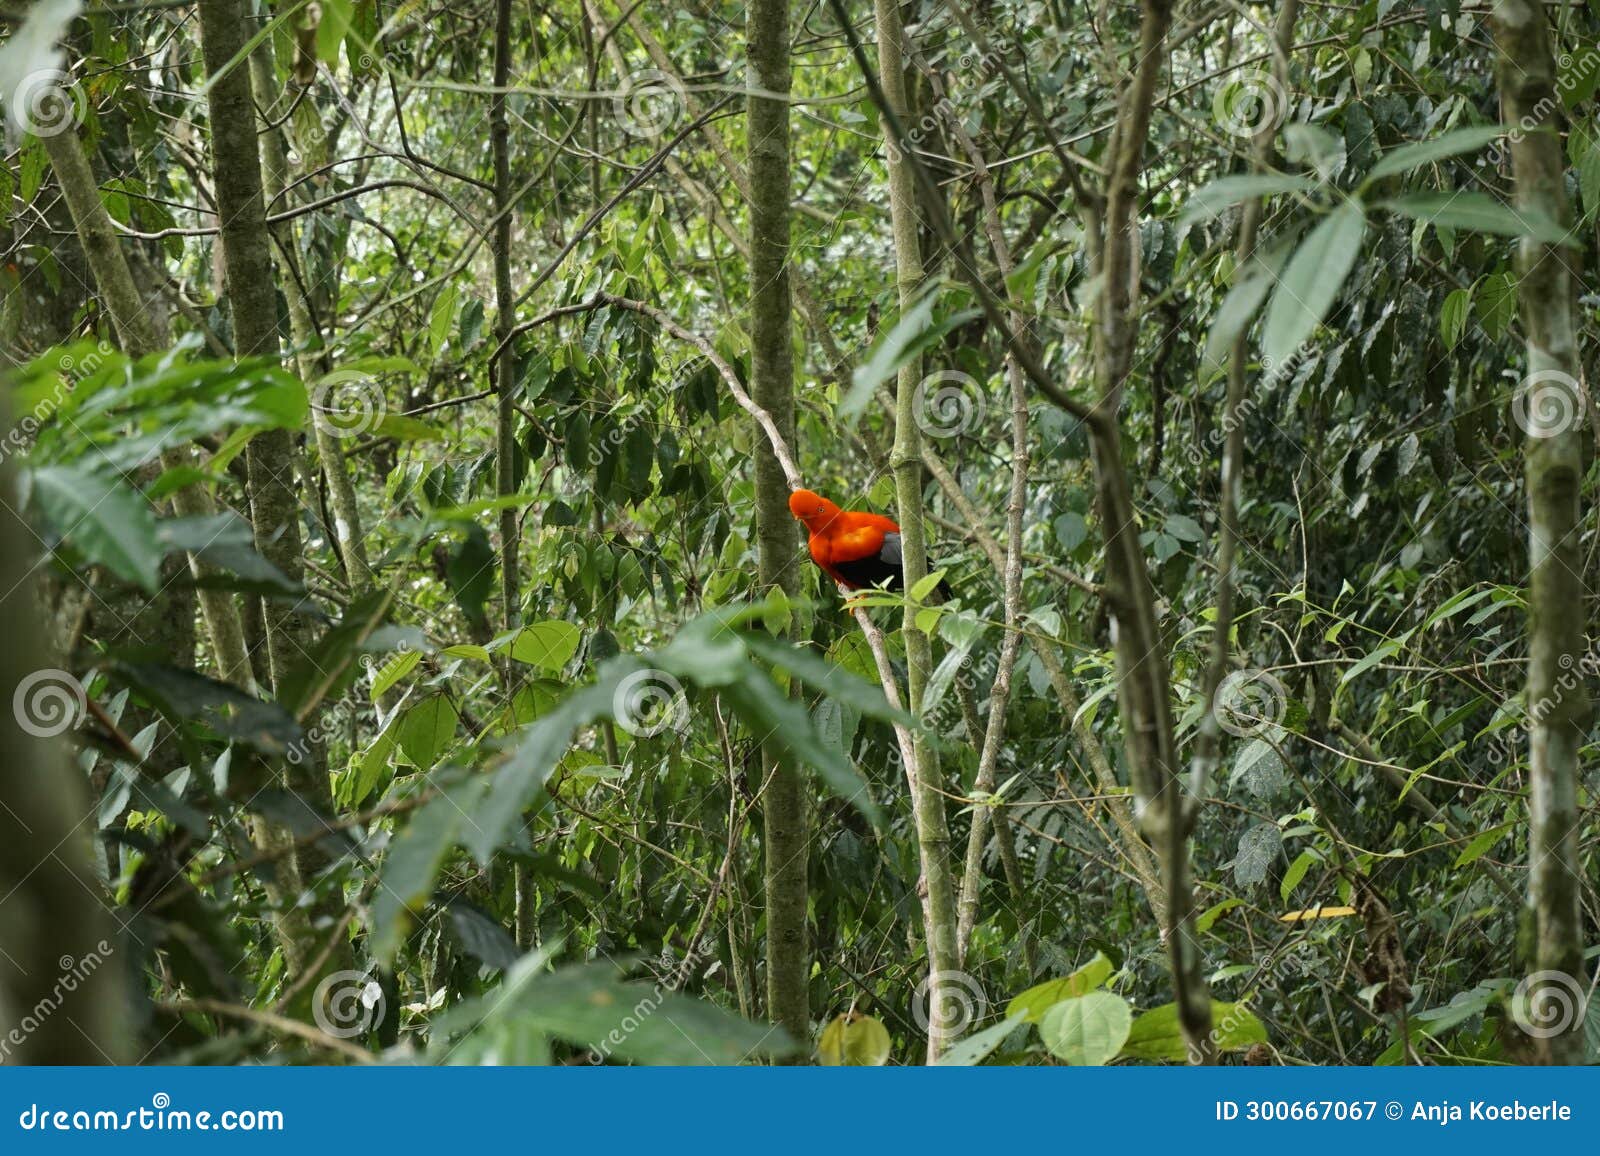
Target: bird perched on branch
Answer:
pixel 856 549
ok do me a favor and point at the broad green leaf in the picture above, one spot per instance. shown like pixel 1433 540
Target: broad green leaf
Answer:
pixel 408 869
pixel 1296 872
pixel 393 671
pixel 1311 281
pixel 1087 1031
pixel 1156 1034
pixel 594 1007
pixel 1412 156
pixel 439 319
pixel 106 521
pixel 548 645
pixel 853 1040
pixel 425 730
pixel 1032 1004
pixel 1482 213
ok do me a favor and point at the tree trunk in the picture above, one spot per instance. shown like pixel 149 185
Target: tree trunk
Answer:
pixel 933 830
pixel 274 506
pixel 783 804
pixel 1144 693
pixel 1552 406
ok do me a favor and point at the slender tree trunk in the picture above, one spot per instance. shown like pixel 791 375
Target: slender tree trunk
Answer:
pixel 309 355
pixel 1207 744
pixel 120 294
pixel 1553 405
pixel 933 830
pixel 1144 692
pixel 274 505
pixel 783 804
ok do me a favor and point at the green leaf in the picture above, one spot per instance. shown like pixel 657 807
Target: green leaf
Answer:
pixel 1454 315
pixel 1156 1034
pixel 1210 915
pixel 1481 845
pixel 1213 198
pixel 1412 156
pixel 1087 1031
pixel 853 1040
pixel 975 1048
pixel 1296 872
pixel 592 1006
pixel 425 730
pixel 393 671
pixel 331 31
pixel 1032 1004
pixel 913 331
pixel 443 312
pixel 1482 213
pixel 548 645
pixel 767 711
pixel 1497 295
pixel 1311 281
pixel 408 870
pixel 106 521
pixel 530 763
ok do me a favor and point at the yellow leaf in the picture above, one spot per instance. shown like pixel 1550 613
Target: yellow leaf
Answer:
pixel 853 1040
pixel 1317 912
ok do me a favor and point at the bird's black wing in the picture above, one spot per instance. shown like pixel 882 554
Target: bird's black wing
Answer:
pixel 886 566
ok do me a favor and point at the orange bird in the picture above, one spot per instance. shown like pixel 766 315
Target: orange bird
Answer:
pixel 856 549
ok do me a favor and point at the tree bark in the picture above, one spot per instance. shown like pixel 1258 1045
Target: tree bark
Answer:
pixel 1557 702
pixel 783 803
pixel 933 830
pixel 1144 693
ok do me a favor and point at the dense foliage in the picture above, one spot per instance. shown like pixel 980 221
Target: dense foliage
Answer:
pixel 458 811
